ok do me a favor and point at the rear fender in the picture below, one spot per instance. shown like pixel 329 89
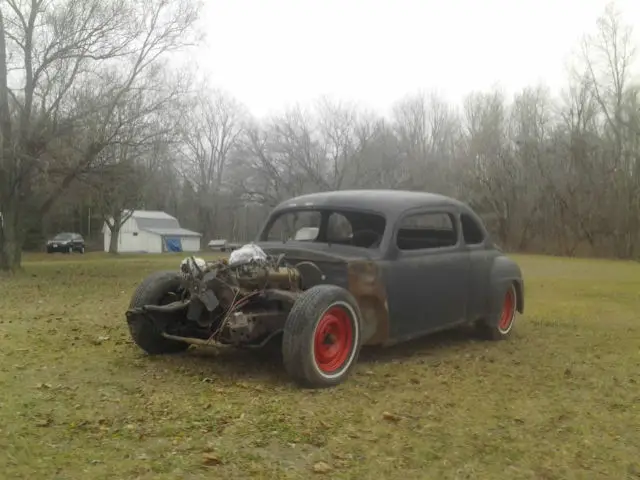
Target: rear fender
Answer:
pixel 504 272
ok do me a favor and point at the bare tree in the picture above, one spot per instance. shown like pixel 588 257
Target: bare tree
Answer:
pixel 211 132
pixel 531 124
pixel 7 235
pixel 282 157
pixel 121 182
pixel 64 50
pixel 608 56
pixel 115 191
pixel 346 133
pixel 427 129
pixel 83 86
pixel 487 173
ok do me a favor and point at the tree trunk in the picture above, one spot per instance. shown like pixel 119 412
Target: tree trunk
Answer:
pixel 10 240
pixel 115 232
pixel 113 242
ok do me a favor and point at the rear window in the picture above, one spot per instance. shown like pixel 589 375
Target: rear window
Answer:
pixel 471 230
pixel 423 231
pixel 63 236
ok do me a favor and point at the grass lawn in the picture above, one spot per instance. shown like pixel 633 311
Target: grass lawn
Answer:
pixel 78 400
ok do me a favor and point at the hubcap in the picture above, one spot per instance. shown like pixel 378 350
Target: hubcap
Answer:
pixel 333 339
pixel 508 311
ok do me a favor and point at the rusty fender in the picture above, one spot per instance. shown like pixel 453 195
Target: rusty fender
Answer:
pixel 365 284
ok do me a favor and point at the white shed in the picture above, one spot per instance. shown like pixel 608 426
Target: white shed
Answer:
pixel 153 232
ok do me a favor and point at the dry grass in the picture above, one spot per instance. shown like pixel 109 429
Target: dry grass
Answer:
pixel 79 400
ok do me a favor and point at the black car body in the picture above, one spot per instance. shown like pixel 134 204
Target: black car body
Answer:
pixel 425 279
pixel 66 242
pixel 370 267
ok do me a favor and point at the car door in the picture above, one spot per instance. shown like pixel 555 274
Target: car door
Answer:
pixel 427 274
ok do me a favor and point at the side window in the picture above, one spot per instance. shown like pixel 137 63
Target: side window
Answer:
pixel 338 228
pixel 426 230
pixel 471 231
pixel 301 225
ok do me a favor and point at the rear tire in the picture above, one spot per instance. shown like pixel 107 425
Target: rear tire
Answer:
pixel 156 289
pixel 500 327
pixel 321 340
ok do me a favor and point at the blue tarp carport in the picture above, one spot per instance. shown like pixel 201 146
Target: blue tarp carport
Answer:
pixel 173 244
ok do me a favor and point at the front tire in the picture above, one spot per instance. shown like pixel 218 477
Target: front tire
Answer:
pixel 159 288
pixel 501 327
pixel 321 340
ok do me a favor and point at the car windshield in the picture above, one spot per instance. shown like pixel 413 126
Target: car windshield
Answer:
pixel 361 229
pixel 62 236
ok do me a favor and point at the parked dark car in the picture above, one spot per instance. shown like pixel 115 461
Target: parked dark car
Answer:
pixel 222 245
pixel 66 243
pixel 373 267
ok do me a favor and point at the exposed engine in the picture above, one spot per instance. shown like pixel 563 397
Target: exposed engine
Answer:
pixel 241 300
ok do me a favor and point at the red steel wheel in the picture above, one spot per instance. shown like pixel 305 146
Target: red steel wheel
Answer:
pixel 333 339
pixel 321 337
pixel 508 311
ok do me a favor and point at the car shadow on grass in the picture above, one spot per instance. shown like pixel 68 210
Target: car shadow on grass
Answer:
pixel 266 367
pixel 227 365
pixel 429 345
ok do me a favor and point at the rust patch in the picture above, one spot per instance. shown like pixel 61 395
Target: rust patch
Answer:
pixel 365 284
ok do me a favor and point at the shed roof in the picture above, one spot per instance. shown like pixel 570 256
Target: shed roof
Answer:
pixel 177 232
pixel 146 219
pixel 152 214
pixel 160 223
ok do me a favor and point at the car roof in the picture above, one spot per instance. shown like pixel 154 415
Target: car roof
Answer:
pixel 383 201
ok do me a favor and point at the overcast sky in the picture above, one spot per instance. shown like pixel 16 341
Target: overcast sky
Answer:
pixel 271 54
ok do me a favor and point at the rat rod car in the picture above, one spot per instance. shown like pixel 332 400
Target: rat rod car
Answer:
pixel 370 267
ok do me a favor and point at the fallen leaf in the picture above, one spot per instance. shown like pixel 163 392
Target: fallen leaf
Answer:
pixel 392 417
pixel 211 459
pixel 343 456
pixel 322 467
pixel 45 422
